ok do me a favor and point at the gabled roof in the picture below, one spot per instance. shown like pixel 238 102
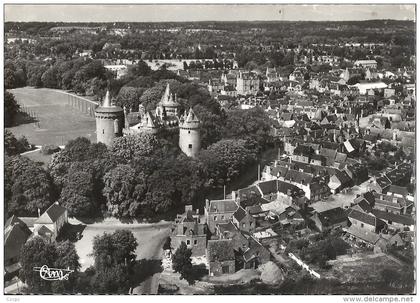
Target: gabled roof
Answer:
pixel 240 214
pixel 332 216
pixel 299 177
pixel 400 190
pixel 12 221
pixel 221 206
pixel 387 216
pixel 51 215
pixel 15 237
pixel 362 217
pixel 364 235
pixel 249 193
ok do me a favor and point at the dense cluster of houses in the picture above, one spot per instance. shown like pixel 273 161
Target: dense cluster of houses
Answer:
pixel 231 232
pixel 325 132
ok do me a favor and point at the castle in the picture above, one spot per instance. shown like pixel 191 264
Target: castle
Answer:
pixel 113 121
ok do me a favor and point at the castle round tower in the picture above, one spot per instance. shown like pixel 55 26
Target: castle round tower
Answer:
pixel 189 134
pixel 109 121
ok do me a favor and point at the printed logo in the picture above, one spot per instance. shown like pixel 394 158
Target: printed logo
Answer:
pixel 53 274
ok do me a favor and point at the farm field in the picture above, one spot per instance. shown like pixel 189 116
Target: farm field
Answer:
pixel 58 121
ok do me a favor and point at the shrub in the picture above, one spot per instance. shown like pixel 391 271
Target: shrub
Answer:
pixel 50 149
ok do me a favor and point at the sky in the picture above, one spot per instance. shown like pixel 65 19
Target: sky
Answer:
pixel 190 12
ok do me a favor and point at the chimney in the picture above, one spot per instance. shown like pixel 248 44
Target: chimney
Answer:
pixel 39 213
pixel 233 195
pixel 207 203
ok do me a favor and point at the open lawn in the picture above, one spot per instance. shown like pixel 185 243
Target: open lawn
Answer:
pixel 37 156
pixel 360 268
pixel 58 121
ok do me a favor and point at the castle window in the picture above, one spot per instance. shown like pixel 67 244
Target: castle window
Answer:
pixel 188 242
pixel 189 145
pixel 103 131
pixel 195 242
pixel 189 131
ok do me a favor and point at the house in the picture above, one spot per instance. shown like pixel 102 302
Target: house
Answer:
pixel 249 252
pixel 247 84
pixel 339 181
pixel 368 237
pixel 381 184
pixel 49 224
pixel 190 230
pixel 365 222
pixel 366 64
pixel 357 172
pixel 219 211
pixel 220 257
pixel 255 254
pixel 15 235
pixel 329 219
pixel 243 220
pixel 395 221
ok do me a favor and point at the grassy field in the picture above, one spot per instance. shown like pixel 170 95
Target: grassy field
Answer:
pixel 58 122
pixel 37 156
pixel 361 269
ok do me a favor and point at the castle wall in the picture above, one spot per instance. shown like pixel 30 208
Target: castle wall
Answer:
pixel 189 141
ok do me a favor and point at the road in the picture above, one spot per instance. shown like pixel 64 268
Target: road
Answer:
pixel 152 252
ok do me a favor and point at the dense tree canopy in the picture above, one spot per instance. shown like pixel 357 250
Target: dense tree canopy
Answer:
pixel 13 146
pixel 11 109
pixel 38 252
pixel 226 159
pixel 28 187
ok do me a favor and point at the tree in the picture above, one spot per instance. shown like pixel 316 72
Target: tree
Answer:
pixel 78 195
pixel 50 78
pixel 29 187
pixel 38 252
pixel 66 258
pixel 181 263
pixel 123 190
pixel 127 244
pixel 226 159
pixel 140 69
pixel 15 146
pixel 11 109
pixel 111 280
pixel 129 97
pixel 248 124
pixel 127 148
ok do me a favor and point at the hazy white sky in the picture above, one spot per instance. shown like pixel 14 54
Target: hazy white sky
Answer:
pixel 190 12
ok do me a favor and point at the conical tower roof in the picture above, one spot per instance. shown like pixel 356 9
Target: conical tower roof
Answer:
pixel 107 107
pixel 166 94
pixel 191 120
pixel 107 100
pixel 168 99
